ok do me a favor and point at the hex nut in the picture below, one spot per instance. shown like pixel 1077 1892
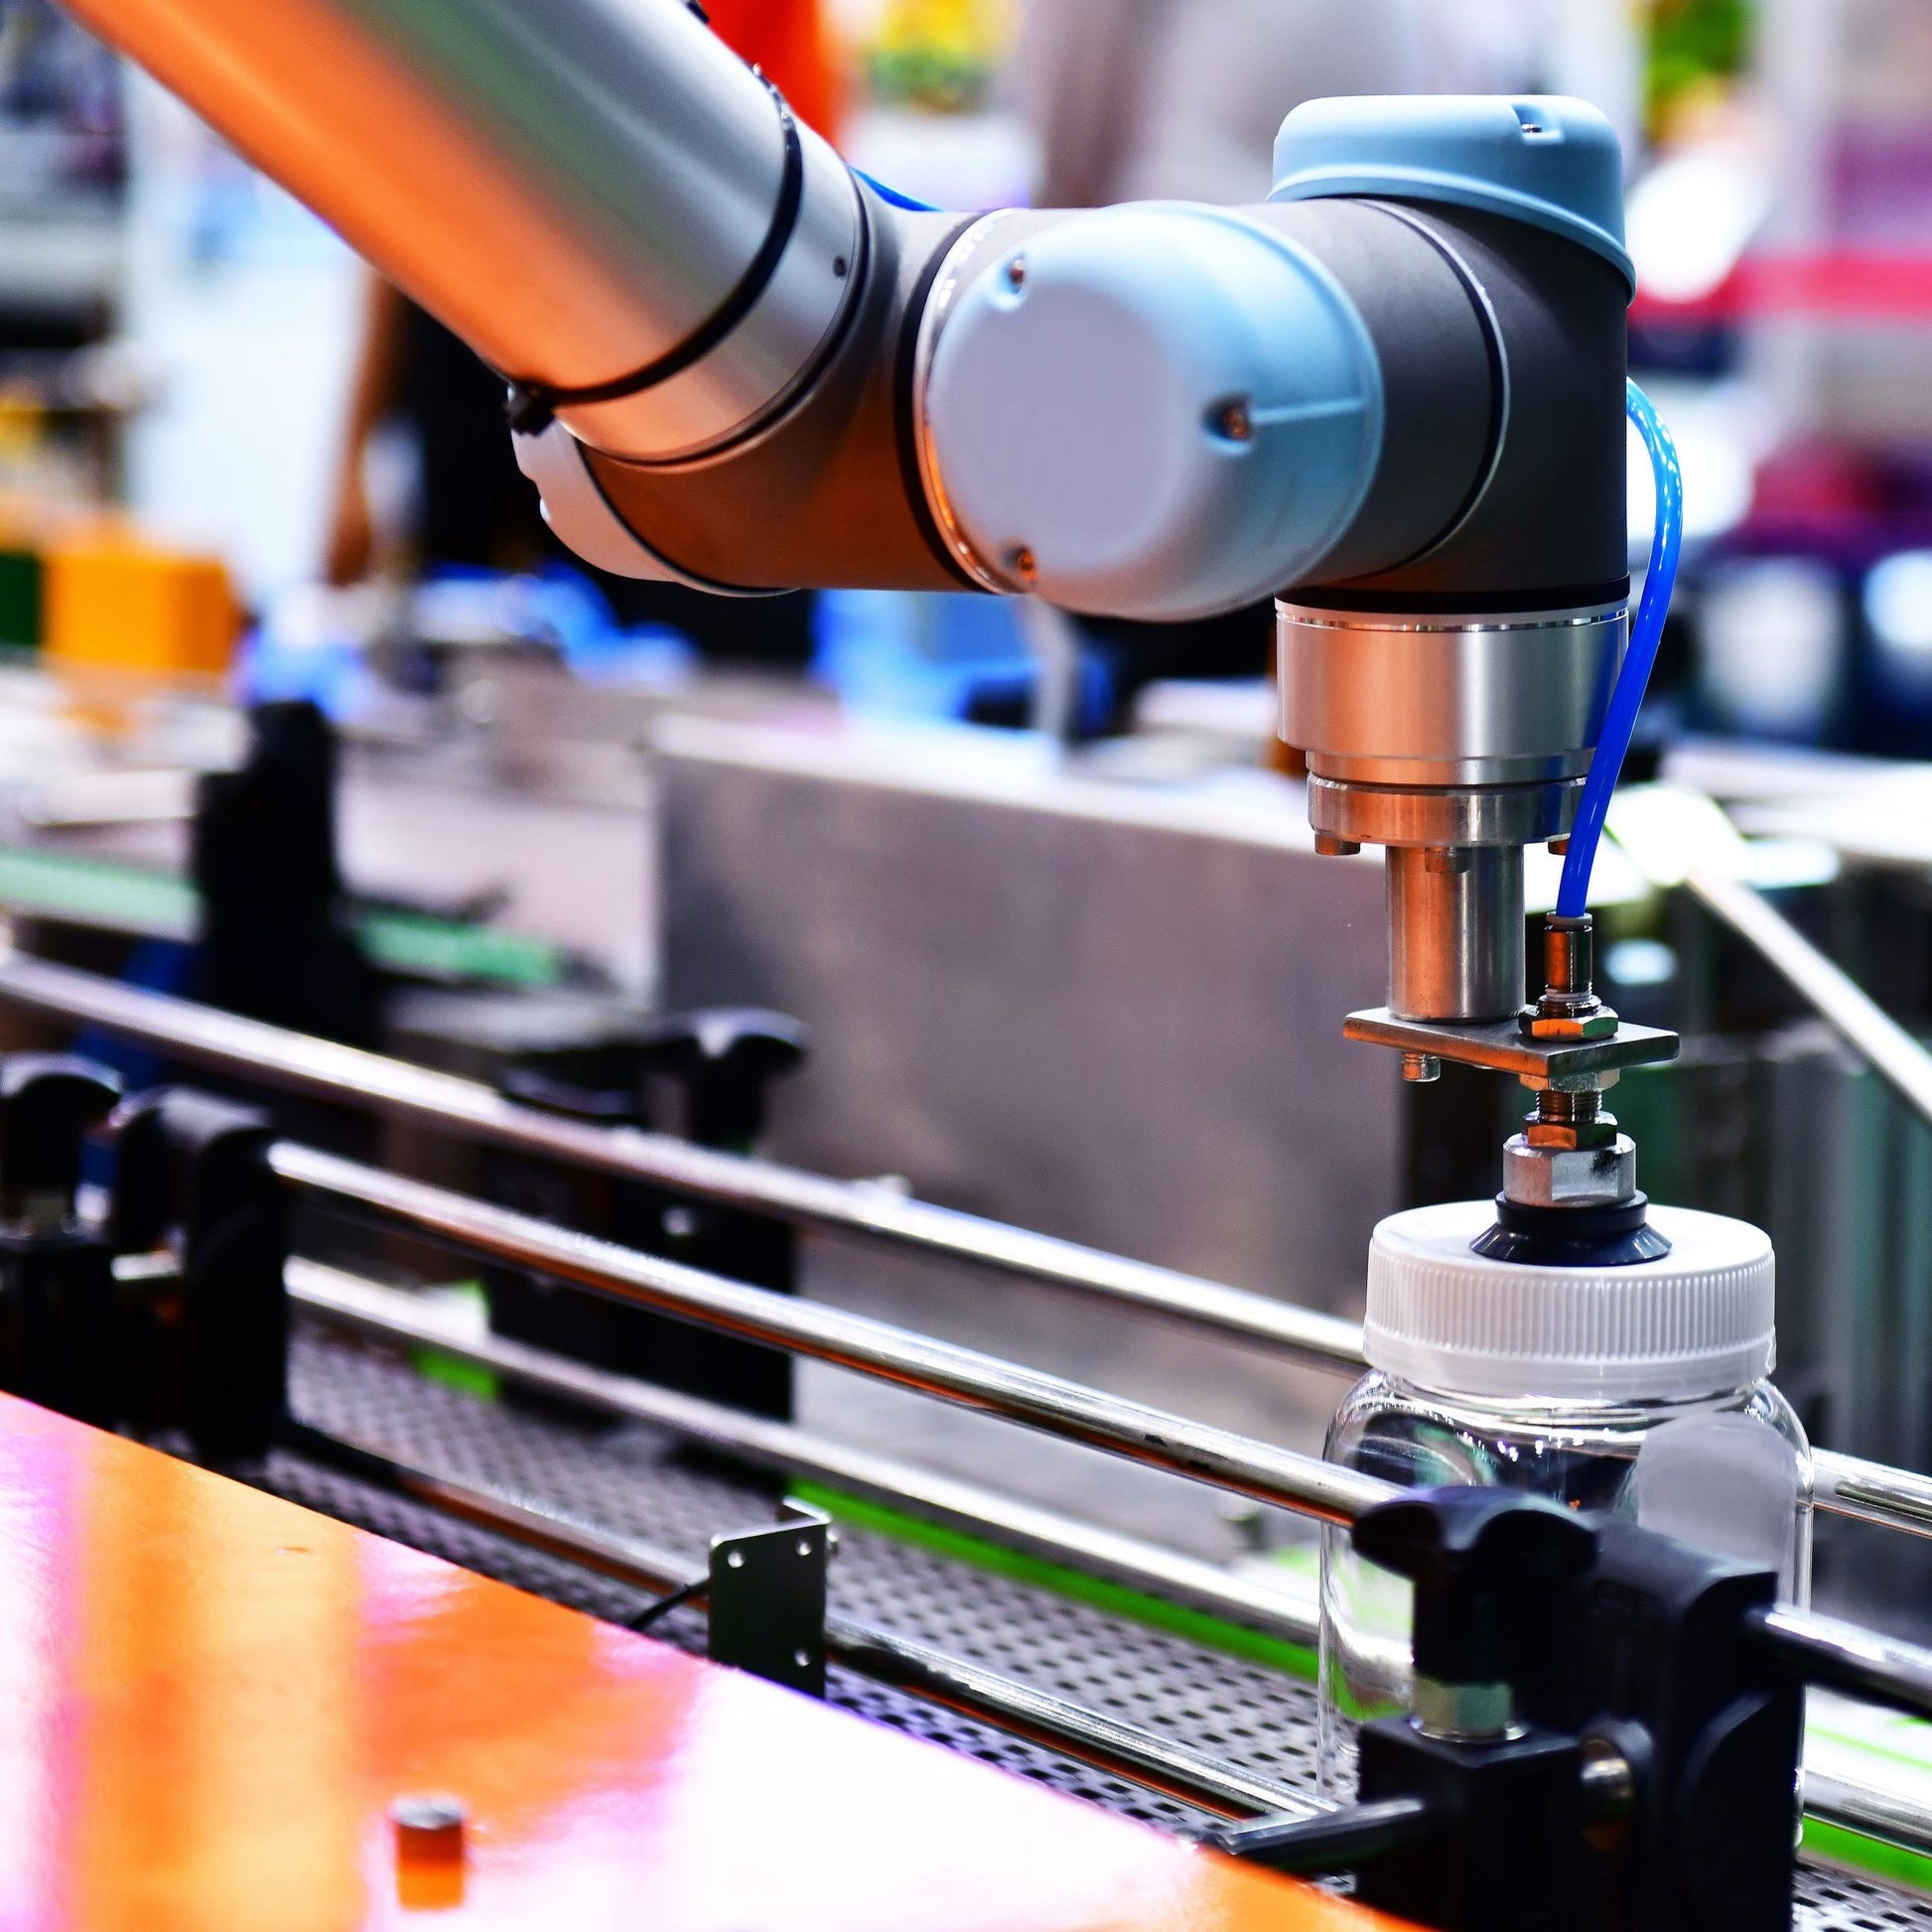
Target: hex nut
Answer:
pixel 1596 1133
pixel 1591 1177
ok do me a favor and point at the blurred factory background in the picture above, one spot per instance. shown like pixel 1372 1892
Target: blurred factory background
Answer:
pixel 1041 893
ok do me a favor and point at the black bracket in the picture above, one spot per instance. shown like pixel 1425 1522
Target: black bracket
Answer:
pixel 1601 1742
pixel 193 1171
pixel 768 1599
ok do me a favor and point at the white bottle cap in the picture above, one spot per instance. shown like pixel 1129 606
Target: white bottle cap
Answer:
pixel 1697 1322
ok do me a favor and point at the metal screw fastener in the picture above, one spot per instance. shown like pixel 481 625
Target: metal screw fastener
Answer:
pixel 1445 859
pixel 1023 563
pixel 1560 847
pixel 1421 1068
pixel 1017 272
pixel 1331 846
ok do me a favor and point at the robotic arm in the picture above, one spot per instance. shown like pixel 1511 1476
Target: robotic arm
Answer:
pixel 1393 393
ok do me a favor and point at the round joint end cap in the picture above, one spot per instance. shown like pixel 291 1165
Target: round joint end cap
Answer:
pixel 1544 159
pixel 1694 1322
pixel 1167 412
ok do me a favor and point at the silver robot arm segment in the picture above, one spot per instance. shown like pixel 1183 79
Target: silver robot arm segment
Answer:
pixel 1392 394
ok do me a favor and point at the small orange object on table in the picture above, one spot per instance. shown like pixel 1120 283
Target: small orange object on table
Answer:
pixel 225 1714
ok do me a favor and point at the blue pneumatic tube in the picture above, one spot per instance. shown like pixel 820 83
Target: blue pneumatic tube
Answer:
pixel 1626 696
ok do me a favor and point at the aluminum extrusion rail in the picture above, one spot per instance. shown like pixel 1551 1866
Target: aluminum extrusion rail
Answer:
pixel 1094 1739
pixel 348 1302
pixel 322 1069
pixel 961 1376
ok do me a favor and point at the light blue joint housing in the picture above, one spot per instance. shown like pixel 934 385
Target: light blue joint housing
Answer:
pixel 1633 679
pixel 1160 411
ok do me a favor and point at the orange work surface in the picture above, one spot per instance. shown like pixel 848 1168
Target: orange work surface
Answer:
pixel 212 1699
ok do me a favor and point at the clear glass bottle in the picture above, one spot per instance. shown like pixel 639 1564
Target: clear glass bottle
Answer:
pixel 1639 1391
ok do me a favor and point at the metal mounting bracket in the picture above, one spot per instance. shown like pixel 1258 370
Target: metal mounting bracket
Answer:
pixel 768 1599
pixel 1502 1046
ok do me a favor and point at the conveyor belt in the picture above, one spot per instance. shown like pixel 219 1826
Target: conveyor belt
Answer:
pixel 632 1480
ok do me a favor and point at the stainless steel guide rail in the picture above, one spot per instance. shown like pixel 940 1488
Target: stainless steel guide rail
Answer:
pixel 321 1069
pixel 1845 1006
pixel 961 1376
pixel 1831 1651
pixel 1868 1492
pixel 348 1303
pixel 1105 1742
pixel 1895 1674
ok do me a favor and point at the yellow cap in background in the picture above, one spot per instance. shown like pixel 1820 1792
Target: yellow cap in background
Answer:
pixel 116 602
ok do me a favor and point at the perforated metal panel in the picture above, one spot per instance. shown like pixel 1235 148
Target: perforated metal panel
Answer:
pixel 635 1481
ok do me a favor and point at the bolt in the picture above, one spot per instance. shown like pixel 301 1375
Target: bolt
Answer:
pixel 1445 859
pixel 1331 847
pixel 1017 272
pixel 1559 847
pixel 1421 1068
pixel 1023 563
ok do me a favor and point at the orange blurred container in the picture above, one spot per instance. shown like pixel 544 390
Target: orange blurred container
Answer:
pixel 114 601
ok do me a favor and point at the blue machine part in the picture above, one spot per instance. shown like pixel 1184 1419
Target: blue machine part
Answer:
pixel 941 656
pixel 1159 410
pixel 1633 676
pixel 1543 159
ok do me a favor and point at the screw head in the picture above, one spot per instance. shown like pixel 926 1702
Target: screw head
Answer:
pixel 1418 1070
pixel 1017 272
pixel 1022 562
pixel 1234 421
pixel 1331 847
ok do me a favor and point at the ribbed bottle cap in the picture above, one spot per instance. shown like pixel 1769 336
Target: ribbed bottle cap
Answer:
pixel 1697 1322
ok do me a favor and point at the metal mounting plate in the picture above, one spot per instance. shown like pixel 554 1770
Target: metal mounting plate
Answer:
pixel 1499 1045
pixel 768 1600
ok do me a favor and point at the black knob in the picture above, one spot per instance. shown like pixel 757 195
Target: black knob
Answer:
pixel 48 1101
pixel 1482 1562
pixel 723 1056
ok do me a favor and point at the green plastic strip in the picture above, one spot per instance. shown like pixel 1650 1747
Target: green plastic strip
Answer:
pixel 410 942
pixel 1197 1626
pixel 91 892
pixel 1876 1856
pixel 153 905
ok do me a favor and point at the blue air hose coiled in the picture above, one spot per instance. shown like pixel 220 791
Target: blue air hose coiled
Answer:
pixel 1626 696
